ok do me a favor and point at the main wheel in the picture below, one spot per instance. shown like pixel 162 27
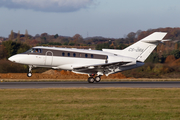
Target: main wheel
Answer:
pixel 29 74
pixel 91 80
pixel 97 78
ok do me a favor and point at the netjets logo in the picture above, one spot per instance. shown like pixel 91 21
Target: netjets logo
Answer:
pixel 136 49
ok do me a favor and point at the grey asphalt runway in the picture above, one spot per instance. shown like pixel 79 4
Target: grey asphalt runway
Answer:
pixel 29 85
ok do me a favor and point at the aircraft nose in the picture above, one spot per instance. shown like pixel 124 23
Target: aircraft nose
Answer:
pixel 13 59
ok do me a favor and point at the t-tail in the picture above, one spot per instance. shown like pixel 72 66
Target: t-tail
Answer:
pixel 143 48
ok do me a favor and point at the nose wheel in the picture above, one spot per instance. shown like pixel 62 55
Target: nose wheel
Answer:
pixel 29 74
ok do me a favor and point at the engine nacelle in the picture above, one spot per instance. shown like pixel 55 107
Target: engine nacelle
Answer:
pixel 119 58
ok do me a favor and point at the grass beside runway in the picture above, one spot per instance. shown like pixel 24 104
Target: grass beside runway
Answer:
pixel 90 104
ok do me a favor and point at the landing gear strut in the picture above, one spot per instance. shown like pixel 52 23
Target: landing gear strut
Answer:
pixel 91 79
pixel 29 74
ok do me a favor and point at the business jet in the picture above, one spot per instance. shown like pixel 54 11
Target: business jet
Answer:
pixel 94 63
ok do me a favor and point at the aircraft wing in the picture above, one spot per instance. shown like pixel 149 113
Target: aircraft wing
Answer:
pixel 97 67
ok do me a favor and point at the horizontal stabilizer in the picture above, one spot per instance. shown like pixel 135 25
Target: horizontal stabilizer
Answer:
pixel 154 37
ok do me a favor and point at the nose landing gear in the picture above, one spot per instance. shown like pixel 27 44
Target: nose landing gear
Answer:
pixel 29 74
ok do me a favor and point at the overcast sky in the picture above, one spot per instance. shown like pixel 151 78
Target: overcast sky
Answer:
pixel 107 18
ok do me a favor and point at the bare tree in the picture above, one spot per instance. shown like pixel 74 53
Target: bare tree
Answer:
pixel 12 35
pixel 18 37
pixel 26 35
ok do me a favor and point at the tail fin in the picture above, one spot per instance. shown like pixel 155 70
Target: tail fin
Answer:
pixel 143 48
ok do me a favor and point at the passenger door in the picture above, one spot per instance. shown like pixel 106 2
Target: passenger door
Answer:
pixel 49 58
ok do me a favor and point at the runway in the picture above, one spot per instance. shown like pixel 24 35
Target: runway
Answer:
pixel 29 85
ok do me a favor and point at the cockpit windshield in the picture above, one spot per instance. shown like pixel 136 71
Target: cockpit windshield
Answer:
pixel 34 50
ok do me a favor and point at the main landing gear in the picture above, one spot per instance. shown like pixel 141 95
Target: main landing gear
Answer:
pixel 29 74
pixel 91 79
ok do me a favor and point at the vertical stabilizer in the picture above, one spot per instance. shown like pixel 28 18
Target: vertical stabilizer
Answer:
pixel 143 48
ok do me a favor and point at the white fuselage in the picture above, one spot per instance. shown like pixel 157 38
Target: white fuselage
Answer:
pixel 68 59
pixel 91 62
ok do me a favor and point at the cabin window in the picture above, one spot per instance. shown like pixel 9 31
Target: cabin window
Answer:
pixel 92 56
pixel 74 54
pixel 80 55
pixel 63 54
pixel 30 51
pixel 34 50
pixel 86 55
pixel 37 50
pixel 69 54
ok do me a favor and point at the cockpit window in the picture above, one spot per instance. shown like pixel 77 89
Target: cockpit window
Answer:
pixel 34 50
